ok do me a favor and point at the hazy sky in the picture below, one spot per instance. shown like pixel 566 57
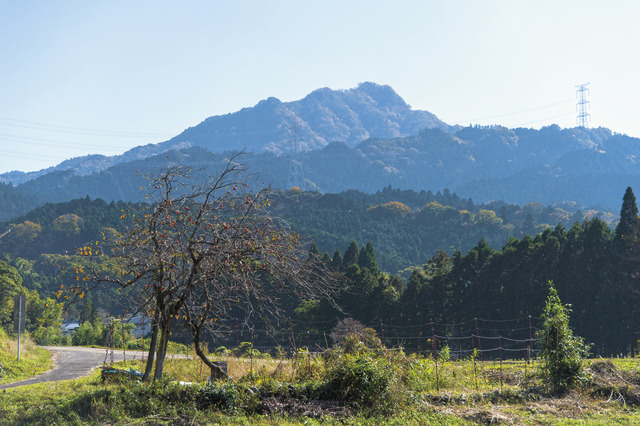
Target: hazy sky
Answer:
pixel 80 77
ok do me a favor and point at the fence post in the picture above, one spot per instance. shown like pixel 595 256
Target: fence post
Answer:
pixel 308 351
pixel 144 329
pixel 384 341
pixel 531 339
pixel 124 348
pixel 435 356
pixel 475 370
pixel 204 339
pixel 479 344
pixel 526 360
pixel 500 351
pixel 290 340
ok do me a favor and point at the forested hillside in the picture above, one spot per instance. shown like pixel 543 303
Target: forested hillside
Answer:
pixel 407 227
pixel 593 268
pixel 427 235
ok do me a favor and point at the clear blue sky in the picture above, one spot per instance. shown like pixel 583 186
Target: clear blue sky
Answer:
pixel 79 77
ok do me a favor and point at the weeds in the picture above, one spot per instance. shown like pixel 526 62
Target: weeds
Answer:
pixel 370 386
pixel 33 359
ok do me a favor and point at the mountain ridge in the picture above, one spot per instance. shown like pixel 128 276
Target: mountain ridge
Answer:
pixel 521 165
pixel 323 116
pixel 551 165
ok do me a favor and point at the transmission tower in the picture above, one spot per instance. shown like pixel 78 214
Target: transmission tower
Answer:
pixel 296 174
pixel 583 105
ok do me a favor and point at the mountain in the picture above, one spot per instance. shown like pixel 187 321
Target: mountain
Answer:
pixel 323 116
pixel 403 148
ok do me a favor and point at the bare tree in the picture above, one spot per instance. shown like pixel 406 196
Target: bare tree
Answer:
pixel 203 247
pixel 268 268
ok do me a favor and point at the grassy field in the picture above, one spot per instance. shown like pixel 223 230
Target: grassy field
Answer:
pixel 33 359
pixel 369 388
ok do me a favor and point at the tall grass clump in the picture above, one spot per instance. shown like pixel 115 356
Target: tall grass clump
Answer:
pixel 33 359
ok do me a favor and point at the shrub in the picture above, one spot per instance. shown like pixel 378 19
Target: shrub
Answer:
pixel 221 396
pixel 47 335
pixel 562 352
pixel 444 354
pixel 245 349
pixel 362 380
pixel 221 351
pixel 354 336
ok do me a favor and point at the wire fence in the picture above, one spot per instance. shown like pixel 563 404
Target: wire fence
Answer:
pixel 485 339
pixel 481 342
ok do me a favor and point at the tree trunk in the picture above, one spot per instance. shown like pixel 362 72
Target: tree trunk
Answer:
pixel 152 348
pixel 216 371
pixel 162 347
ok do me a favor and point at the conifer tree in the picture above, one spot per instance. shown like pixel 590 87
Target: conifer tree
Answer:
pixel 627 229
pixel 623 294
pixel 367 259
pixel 529 225
pixel 350 255
pixel 336 262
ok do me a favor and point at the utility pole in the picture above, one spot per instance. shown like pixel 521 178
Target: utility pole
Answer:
pixel 19 316
pixel 583 105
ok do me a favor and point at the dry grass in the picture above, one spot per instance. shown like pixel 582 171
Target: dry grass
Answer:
pixel 33 359
pixel 192 369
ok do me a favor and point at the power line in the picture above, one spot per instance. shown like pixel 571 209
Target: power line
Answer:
pixel 544 119
pixel 519 112
pixel 61 144
pixel 76 130
pixel 28 156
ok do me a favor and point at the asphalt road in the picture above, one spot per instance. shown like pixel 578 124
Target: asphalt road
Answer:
pixel 72 363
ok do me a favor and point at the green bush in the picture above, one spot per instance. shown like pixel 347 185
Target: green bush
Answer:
pixel 221 396
pixel 245 349
pixel 364 381
pixel 420 375
pixel 89 334
pixel 51 336
pixel 221 351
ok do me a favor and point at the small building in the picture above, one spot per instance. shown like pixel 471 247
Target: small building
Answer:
pixel 143 326
pixel 69 327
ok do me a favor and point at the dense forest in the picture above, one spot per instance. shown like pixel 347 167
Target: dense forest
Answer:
pixel 407 227
pixel 408 258
pixel 594 269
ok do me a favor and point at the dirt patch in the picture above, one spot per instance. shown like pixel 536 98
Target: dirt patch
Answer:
pixel 488 417
pixel 607 381
pixel 301 407
pixel 507 377
pixel 493 408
